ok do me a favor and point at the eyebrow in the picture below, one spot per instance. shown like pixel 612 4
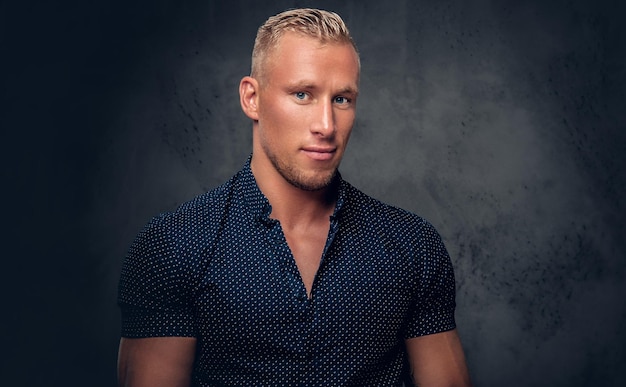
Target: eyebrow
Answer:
pixel 307 85
pixel 349 90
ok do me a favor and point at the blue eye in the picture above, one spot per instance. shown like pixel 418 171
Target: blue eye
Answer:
pixel 300 95
pixel 341 100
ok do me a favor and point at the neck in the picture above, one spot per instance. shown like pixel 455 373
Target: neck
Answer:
pixel 292 206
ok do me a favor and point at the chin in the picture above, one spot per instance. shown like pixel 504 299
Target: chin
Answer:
pixel 313 183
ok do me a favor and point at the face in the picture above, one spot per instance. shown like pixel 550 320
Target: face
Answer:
pixel 305 110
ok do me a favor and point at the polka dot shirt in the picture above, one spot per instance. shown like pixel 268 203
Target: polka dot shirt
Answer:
pixel 219 269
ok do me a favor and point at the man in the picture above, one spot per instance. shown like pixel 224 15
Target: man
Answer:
pixel 286 274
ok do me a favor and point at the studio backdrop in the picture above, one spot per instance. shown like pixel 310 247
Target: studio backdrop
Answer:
pixel 499 122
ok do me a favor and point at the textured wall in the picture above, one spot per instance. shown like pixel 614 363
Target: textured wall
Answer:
pixel 500 122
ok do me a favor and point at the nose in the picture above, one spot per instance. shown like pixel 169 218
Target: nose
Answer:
pixel 324 121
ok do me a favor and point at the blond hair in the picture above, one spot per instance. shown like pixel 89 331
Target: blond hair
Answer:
pixel 326 26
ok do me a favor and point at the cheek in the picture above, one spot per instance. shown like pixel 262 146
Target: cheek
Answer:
pixel 286 117
pixel 345 122
pixel 273 108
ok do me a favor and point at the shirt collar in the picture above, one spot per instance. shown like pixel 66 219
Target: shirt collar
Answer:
pixel 255 202
pixel 341 196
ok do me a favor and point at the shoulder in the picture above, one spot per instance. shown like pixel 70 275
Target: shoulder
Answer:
pixel 184 233
pixel 202 211
pixel 193 213
pixel 168 256
pixel 360 206
pixel 397 228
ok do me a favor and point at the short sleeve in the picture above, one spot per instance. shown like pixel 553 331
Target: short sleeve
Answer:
pixel 154 291
pixel 434 303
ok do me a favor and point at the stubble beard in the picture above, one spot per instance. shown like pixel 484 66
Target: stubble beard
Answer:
pixel 297 178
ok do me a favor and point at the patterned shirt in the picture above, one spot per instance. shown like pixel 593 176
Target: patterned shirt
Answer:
pixel 219 269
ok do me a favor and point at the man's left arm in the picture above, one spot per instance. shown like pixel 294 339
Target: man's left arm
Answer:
pixel 437 360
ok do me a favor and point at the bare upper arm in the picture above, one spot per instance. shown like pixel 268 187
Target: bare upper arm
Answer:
pixel 156 361
pixel 437 360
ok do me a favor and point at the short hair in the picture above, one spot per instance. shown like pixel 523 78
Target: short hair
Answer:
pixel 323 25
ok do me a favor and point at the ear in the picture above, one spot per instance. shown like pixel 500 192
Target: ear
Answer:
pixel 249 97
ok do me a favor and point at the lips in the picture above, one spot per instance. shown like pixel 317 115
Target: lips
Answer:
pixel 319 153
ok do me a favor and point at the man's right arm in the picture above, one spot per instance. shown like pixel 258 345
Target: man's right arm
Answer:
pixel 156 361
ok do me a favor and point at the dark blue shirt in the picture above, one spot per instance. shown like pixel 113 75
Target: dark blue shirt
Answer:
pixel 219 269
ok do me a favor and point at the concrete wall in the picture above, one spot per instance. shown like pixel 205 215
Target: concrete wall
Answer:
pixel 501 123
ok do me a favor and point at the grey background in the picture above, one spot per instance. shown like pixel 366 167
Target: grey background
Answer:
pixel 500 122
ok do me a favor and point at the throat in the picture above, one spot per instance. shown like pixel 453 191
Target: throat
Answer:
pixel 307 247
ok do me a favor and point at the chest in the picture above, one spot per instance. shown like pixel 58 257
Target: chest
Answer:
pixel 255 299
pixel 307 248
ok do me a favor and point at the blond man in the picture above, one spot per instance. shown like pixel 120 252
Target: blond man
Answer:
pixel 286 274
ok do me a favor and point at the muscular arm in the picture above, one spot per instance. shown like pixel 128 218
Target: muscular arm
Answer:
pixel 156 362
pixel 437 360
